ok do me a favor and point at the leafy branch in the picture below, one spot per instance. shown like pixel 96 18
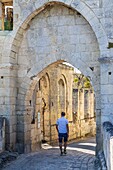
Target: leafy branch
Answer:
pixel 81 81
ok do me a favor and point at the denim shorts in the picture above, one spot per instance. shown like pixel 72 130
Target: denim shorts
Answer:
pixel 63 136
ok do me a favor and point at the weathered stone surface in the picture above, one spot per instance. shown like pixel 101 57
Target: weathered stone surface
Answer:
pixel 108 144
pixel 47 32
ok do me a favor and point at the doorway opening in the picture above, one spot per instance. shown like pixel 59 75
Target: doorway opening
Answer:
pixel 46 43
pixel 6 15
pixel 61 87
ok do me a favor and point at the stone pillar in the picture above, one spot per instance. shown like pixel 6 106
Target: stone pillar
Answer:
pixel 106 66
pixel 81 111
pixel 91 103
pixel 7 104
pixel 86 104
pixel 107 89
pixel 69 96
pixel 75 105
pixel 53 103
pixel 81 104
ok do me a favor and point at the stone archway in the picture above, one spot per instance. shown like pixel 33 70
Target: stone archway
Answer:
pixel 23 24
pixel 47 44
pixel 80 59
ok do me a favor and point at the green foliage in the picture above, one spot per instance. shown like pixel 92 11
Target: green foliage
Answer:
pixel 75 80
pixel 82 81
pixel 87 84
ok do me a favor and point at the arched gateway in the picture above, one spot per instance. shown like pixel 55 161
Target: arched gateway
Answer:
pixel 52 32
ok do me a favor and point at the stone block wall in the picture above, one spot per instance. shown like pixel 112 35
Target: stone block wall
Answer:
pixel 108 144
pixel 92 16
pixel 80 125
pixel 2 40
pixel 7 89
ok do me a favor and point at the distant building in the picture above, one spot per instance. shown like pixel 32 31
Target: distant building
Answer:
pixel 56 91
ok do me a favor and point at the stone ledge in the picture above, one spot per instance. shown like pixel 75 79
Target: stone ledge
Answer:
pixel 6 157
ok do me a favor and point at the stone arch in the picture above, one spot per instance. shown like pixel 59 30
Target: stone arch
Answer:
pixel 44 105
pixel 34 81
pixel 30 79
pixel 80 6
pixel 44 81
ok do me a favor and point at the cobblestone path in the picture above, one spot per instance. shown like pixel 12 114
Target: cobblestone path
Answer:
pixel 80 156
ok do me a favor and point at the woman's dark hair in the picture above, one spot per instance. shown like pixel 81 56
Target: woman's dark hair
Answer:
pixel 62 113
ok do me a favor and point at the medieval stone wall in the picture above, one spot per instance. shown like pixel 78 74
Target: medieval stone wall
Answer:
pixel 90 49
pixel 52 98
pixel 50 35
pixel 55 95
pixel 55 32
pixel 2 39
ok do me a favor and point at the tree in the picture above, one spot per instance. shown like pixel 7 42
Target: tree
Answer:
pixel 81 81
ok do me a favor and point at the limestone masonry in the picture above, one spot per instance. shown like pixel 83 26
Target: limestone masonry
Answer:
pixel 37 34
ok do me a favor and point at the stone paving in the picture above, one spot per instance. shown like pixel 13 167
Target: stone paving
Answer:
pixel 80 156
